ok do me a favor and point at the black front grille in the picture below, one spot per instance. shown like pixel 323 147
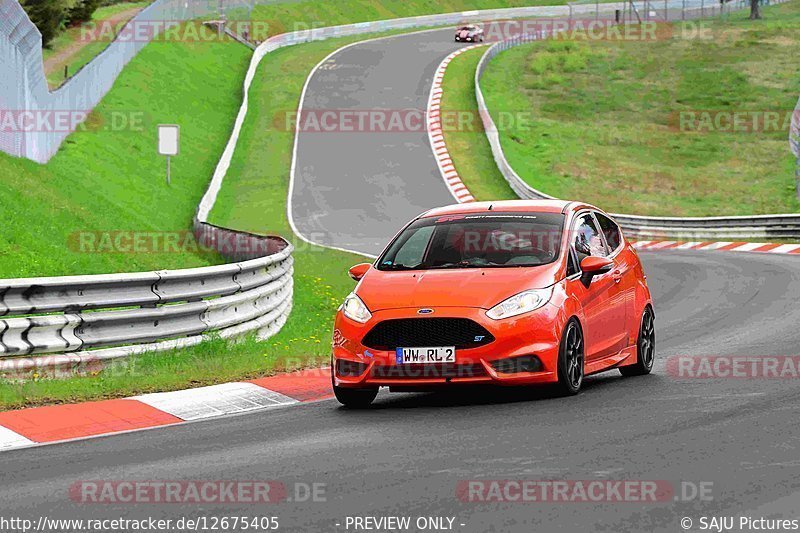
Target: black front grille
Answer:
pixel 420 332
pixel 429 371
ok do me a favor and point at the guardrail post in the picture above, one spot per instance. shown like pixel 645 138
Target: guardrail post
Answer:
pixel 797 177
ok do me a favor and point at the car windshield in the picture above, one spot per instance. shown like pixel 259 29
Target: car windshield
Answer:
pixel 477 240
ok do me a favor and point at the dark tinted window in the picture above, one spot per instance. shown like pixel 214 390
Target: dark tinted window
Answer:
pixel 476 240
pixel 610 230
pixel 572 263
pixel 586 238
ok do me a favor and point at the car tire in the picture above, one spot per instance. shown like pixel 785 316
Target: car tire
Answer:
pixel 645 346
pixel 571 359
pixel 355 398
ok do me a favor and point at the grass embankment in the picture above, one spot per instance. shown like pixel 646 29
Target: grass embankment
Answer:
pixel 281 17
pixel 73 49
pixel 606 118
pixel 108 176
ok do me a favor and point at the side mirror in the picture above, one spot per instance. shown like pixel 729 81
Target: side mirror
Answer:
pixel 357 272
pixel 593 266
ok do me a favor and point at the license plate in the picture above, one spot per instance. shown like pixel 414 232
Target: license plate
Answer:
pixel 438 354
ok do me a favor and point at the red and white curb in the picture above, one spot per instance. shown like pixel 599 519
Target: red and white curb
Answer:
pixel 757 247
pixel 45 425
pixel 436 135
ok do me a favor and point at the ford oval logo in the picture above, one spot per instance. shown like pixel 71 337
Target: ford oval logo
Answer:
pixel 425 311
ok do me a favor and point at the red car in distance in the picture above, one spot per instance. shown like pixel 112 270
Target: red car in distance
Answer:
pixel 469 34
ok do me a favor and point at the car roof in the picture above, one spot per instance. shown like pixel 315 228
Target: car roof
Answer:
pixel 518 206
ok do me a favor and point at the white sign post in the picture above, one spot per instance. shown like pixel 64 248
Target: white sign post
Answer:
pixel 794 143
pixel 169 143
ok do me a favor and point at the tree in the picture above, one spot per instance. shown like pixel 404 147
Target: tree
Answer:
pixel 755 9
pixel 82 11
pixel 48 15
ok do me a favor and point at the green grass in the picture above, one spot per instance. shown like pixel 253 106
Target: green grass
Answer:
pixel 468 147
pixel 83 55
pixel 108 178
pixel 291 15
pixel 212 362
pixel 605 127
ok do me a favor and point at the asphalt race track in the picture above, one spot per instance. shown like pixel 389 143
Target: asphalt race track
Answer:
pixel 353 190
pixel 407 454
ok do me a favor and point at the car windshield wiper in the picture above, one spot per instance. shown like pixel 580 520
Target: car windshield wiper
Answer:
pixel 396 267
pixel 460 264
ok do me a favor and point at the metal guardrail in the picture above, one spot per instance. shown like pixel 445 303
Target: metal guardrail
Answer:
pixel 783 226
pixel 99 317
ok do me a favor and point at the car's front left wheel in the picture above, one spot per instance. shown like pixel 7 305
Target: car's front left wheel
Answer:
pixel 571 359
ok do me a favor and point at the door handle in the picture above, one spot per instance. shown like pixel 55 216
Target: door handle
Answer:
pixel 617 276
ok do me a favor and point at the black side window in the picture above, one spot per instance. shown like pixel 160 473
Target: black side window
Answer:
pixel 587 240
pixel 610 230
pixel 572 263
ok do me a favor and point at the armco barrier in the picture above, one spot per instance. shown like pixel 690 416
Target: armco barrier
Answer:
pixel 91 318
pixel 785 226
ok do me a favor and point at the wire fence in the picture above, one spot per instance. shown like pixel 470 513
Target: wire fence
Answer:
pixel 660 10
pixel 35 121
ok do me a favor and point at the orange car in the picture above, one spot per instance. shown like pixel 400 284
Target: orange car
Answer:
pixel 511 293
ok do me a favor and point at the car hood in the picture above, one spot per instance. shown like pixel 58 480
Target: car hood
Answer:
pixel 460 287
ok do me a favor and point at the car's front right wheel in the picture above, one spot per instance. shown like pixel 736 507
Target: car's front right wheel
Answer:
pixel 571 359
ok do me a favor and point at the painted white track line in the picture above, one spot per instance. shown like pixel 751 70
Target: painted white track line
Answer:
pixel 9 439
pixel 436 134
pixel 216 400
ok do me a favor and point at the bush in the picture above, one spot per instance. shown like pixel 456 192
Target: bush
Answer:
pixel 82 11
pixel 48 15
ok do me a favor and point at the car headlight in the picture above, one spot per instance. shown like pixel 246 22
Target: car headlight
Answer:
pixel 354 309
pixel 520 303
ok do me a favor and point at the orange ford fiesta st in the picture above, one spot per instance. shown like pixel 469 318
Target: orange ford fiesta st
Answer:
pixel 510 293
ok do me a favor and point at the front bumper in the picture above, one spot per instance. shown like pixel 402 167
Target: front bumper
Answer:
pixel 532 334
